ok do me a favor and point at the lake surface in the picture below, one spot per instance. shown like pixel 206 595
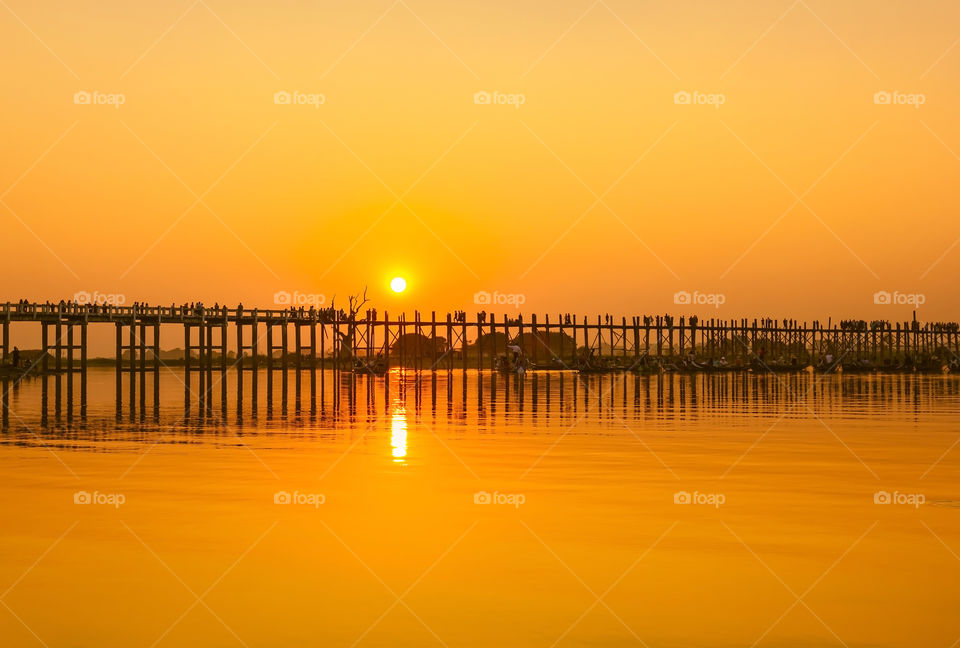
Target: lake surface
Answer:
pixel 472 510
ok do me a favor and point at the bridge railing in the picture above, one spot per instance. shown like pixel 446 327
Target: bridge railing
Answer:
pixel 173 311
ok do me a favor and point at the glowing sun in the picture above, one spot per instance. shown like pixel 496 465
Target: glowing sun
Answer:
pixel 398 284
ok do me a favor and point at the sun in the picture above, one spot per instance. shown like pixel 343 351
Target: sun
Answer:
pixel 398 284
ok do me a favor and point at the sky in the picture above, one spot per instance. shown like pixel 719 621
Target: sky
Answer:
pixel 732 159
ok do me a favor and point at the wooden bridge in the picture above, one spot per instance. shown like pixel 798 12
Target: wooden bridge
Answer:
pixel 261 338
pixel 246 342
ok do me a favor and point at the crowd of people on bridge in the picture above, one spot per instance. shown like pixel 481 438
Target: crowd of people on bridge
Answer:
pixel 191 309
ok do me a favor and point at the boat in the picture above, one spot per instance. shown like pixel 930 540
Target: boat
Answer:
pixel 505 365
pixel 376 366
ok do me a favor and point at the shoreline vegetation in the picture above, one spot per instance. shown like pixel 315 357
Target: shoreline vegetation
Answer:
pixel 941 361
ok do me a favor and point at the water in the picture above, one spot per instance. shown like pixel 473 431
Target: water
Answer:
pixel 388 538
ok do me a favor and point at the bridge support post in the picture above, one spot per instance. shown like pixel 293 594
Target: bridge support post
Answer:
pixel 283 364
pixel 463 350
pixel 201 346
pixel 70 347
pixel 58 345
pixel 313 366
pixel 463 346
pixel 186 364
pixel 156 367
pixel 143 367
pixel 255 362
pixel 417 335
pixel 69 370
pixel 44 348
pixel 386 338
pixel 433 338
pixel 133 364
pixel 58 362
pixel 83 368
pixel 536 339
pixel 6 337
pixel 201 373
pixel 298 345
pixel 269 365
pixel 223 365
pixel 561 338
pixel 297 361
pixel 493 340
pixel 119 366
pixel 586 335
pixel 623 337
pixel 239 362
pixel 402 340
pixel 323 346
pixel 208 356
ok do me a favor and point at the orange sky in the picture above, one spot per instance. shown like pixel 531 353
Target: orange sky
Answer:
pixel 798 196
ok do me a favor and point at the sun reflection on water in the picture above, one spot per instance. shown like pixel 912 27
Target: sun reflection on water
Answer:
pixel 398 432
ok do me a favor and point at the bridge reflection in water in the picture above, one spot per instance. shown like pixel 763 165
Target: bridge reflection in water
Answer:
pixel 324 398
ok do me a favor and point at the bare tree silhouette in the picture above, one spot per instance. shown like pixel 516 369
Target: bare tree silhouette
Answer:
pixel 346 341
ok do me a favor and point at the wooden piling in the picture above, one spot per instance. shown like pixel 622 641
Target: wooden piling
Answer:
pixel 536 338
pixel 433 336
pixel 119 364
pixel 132 365
pixel 298 347
pixel 254 360
pixel 6 335
pixel 239 329
pixel 386 338
pixel 58 346
pixel 208 364
pixel 70 349
pixel 156 365
pixel 186 362
pixel 313 365
pixel 449 353
pixel 143 366
pixel 83 368
pixel 223 363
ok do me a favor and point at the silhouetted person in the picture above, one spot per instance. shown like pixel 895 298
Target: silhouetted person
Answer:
pixel 15 357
